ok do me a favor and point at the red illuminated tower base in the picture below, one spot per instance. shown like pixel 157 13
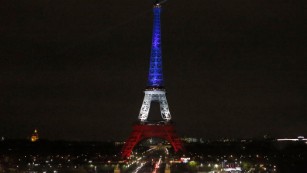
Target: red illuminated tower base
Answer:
pixel 144 131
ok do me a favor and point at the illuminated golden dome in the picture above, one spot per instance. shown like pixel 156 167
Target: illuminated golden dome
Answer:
pixel 34 136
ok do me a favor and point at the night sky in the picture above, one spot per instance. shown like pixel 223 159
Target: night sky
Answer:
pixel 76 69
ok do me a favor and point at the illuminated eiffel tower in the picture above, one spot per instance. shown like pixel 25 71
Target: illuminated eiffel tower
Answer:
pixel 154 92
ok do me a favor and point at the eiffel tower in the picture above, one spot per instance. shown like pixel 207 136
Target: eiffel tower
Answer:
pixel 154 92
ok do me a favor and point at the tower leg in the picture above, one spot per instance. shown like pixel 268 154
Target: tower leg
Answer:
pixel 145 107
pixel 165 113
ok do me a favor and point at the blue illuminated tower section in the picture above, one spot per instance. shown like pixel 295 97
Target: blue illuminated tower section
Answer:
pixel 155 91
pixel 155 76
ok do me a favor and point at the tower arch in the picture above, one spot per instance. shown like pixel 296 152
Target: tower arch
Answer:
pixel 143 131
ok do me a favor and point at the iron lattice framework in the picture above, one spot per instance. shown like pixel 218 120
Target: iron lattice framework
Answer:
pixel 154 92
pixel 155 86
pixel 141 132
pixel 155 95
pixel 155 75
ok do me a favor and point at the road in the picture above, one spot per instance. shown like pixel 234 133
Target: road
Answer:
pixel 149 165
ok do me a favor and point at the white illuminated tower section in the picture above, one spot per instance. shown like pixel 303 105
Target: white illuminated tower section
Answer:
pixel 155 91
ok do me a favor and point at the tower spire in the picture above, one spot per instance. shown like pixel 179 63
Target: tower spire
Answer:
pixel 155 91
pixel 155 74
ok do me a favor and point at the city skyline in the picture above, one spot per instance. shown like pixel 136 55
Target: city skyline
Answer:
pixel 75 71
